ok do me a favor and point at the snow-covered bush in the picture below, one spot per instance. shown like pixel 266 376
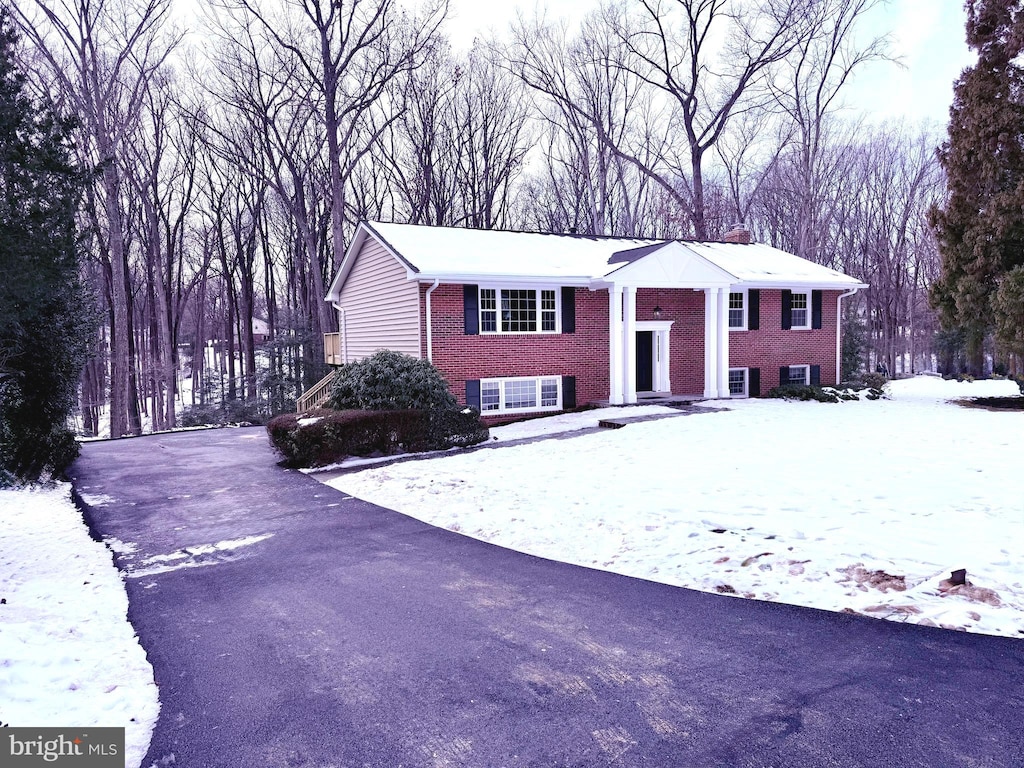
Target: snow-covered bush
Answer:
pixel 390 380
pixel 803 392
pixel 826 394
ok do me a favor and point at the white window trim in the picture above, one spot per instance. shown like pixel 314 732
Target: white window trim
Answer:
pixel 502 410
pixel 746 310
pixel 806 326
pixel 807 374
pixel 746 382
pixel 498 288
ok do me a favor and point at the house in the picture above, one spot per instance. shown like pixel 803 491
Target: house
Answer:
pixel 524 322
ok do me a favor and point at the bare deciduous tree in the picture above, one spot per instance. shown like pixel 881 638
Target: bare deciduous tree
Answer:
pixel 103 55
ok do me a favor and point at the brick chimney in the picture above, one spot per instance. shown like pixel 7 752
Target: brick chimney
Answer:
pixel 738 234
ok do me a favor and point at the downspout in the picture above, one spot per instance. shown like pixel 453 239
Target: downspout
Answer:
pixel 839 331
pixel 430 335
pixel 343 329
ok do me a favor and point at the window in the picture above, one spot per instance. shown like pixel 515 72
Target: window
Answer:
pixel 799 374
pixel 801 311
pixel 738 382
pixel 488 311
pixel 737 311
pixel 490 396
pixel 519 310
pixel 520 394
pixel 547 310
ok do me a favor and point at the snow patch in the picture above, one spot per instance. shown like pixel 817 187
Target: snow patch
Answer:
pixel 195 556
pixel 68 656
pixel 97 499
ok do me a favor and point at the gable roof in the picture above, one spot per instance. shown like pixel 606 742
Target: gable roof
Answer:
pixel 452 254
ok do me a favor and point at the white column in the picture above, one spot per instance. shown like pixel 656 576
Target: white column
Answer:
pixel 710 343
pixel 723 342
pixel 629 342
pixel 615 345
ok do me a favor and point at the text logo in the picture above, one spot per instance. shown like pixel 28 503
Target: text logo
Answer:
pixel 62 747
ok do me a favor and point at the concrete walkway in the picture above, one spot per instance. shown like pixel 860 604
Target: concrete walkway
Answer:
pixel 354 636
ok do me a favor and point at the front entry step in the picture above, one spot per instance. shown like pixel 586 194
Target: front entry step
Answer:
pixel 683 410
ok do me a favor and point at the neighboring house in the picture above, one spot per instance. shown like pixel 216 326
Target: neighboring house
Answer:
pixel 523 322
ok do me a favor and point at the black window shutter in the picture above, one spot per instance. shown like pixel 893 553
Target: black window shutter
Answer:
pixel 473 393
pixel 471 314
pixel 787 310
pixel 568 309
pixel 816 375
pixel 815 309
pixel 754 382
pixel 568 391
pixel 783 375
pixel 753 310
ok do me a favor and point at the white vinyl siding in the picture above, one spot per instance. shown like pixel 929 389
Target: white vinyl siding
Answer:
pixel 380 308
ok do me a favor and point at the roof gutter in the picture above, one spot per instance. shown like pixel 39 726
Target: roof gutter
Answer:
pixel 479 278
pixel 430 335
pixel 839 331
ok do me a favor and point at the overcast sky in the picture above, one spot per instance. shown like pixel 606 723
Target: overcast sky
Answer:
pixel 928 35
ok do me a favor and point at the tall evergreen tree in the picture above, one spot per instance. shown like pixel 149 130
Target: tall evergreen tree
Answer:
pixel 981 226
pixel 45 318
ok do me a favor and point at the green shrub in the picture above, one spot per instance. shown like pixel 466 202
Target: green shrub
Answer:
pixel 874 380
pixel 845 392
pixel 389 381
pixel 803 392
pixel 326 436
pixel 455 428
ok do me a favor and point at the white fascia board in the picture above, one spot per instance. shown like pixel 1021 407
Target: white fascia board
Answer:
pixel 491 279
pixel 787 285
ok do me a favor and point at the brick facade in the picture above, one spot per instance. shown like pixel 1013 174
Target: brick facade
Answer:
pixel 584 354
pixel 770 347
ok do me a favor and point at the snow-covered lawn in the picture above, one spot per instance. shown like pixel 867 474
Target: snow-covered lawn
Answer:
pixel 68 656
pixel 855 506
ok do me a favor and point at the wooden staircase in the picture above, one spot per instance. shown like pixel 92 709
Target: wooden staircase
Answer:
pixel 317 395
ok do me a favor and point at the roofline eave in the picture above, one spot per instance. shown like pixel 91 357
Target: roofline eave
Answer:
pixel 502 279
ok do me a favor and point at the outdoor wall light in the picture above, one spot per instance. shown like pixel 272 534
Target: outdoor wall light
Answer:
pixel 657 312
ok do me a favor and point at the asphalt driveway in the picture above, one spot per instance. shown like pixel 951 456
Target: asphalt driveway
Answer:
pixel 350 635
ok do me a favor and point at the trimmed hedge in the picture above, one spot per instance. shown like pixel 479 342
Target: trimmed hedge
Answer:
pixel 324 436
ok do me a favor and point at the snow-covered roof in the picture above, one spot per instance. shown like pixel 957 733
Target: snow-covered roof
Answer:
pixel 449 251
pixel 456 254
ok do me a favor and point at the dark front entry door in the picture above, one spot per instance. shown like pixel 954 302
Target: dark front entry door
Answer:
pixel 644 361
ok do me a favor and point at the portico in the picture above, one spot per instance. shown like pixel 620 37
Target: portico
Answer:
pixel 668 266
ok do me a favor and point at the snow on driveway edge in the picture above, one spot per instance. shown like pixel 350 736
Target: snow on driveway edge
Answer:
pixel 68 655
